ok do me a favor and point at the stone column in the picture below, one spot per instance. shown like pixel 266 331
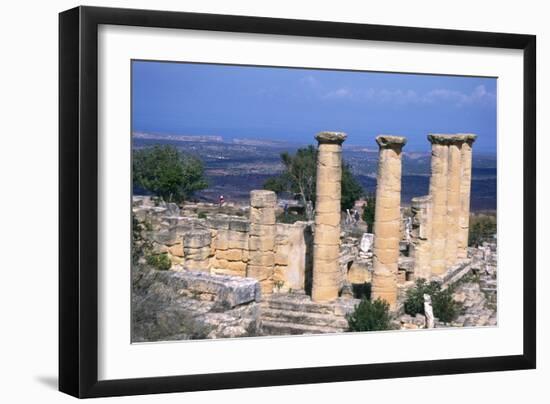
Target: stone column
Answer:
pixel 453 199
pixel 261 242
pixel 421 236
pixel 438 193
pixel 465 187
pixel 387 219
pixel 326 242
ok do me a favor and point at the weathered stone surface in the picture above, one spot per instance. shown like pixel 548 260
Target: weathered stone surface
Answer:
pixel 172 210
pixel 197 239
pixel 196 254
pixel 447 139
pixel 465 188
pixel 331 137
pixel 438 192
pixel 261 243
pixel 292 247
pixel 262 199
pixel 387 219
pixel 453 203
pixel 171 305
pixel 239 225
pixel 327 276
pixel 261 238
pixel 262 215
pixel 421 208
pixel 230 255
pixel 167 237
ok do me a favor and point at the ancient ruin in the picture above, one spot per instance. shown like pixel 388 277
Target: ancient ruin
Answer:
pixel 387 219
pixel 326 242
pixel 261 241
pixel 272 278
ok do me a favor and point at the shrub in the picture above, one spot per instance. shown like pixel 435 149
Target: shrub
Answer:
pixel 415 296
pixel 202 215
pixel 482 228
pixel 370 316
pixel 444 307
pixel 159 261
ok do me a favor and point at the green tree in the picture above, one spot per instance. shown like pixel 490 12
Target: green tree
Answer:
pixel 351 189
pixel 368 211
pixel 168 173
pixel 299 177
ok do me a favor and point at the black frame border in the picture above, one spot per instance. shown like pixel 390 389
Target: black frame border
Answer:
pixel 78 193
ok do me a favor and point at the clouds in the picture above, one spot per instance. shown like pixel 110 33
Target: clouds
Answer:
pixel 399 97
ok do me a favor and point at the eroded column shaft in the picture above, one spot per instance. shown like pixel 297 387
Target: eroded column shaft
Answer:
pixel 326 242
pixel 261 242
pixel 438 193
pixel 453 203
pixel 421 236
pixel 387 219
pixel 465 189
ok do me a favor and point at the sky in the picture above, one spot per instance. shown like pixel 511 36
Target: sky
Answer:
pixel 294 104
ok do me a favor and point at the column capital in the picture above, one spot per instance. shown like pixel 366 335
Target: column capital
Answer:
pixel 328 137
pixel 448 139
pixel 391 141
pixel 470 137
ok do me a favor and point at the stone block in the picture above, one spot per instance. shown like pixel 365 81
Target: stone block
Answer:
pixel 196 254
pixel 259 272
pixel 281 255
pixel 230 255
pixel 262 198
pixel 242 226
pixel 256 243
pixel 262 215
pixel 262 230
pixel 237 266
pixel 324 293
pixel 197 238
pixel 261 258
pixel 176 250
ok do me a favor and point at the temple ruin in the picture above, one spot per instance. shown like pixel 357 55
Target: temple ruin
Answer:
pixel 306 270
pixel 326 243
pixel 387 219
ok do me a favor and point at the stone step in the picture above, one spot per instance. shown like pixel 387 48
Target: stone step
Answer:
pixel 307 318
pixel 272 327
pixel 299 305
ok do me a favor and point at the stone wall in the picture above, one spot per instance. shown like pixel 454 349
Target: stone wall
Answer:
pixel 293 255
pixel 220 244
pixel 229 244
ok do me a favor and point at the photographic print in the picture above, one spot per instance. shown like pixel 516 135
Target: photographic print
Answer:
pixel 274 201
